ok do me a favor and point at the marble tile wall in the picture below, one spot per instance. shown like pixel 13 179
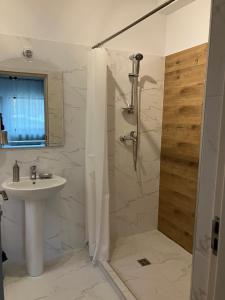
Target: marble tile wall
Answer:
pixel 134 196
pixel 64 221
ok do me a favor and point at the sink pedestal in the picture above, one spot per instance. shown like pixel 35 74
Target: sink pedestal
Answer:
pixel 34 236
pixel 34 193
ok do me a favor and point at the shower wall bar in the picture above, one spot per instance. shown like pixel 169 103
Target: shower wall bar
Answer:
pixel 133 106
pixel 152 12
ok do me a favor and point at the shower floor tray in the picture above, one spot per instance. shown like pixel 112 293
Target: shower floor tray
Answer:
pixel 167 277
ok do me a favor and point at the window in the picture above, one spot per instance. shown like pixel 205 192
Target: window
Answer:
pixel 22 104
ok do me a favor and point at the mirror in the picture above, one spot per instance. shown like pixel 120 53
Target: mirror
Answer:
pixel 31 106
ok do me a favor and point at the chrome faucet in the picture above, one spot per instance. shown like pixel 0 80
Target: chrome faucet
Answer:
pixel 33 172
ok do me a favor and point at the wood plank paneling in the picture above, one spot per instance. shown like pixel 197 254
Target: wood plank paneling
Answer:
pixel 182 118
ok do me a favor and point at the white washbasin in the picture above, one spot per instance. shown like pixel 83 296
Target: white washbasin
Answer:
pixel 34 193
pixel 27 189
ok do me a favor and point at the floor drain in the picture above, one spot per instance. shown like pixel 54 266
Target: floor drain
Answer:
pixel 144 262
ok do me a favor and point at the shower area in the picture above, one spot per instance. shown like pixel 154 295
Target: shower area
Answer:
pixel 148 109
pixel 154 115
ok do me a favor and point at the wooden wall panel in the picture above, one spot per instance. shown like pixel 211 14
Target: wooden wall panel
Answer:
pixel 182 117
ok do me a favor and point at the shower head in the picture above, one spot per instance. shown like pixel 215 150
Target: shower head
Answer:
pixel 139 56
pixel 136 56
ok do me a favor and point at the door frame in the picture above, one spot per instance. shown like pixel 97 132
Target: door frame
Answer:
pixel 216 287
pixel 208 269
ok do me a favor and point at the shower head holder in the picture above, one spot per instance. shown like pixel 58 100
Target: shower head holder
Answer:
pixel 129 109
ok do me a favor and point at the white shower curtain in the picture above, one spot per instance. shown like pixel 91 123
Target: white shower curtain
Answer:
pixel 97 190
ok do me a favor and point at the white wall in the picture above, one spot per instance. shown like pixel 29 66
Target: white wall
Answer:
pixel 84 22
pixel 147 37
pixel 87 22
pixel 188 26
pixel 73 21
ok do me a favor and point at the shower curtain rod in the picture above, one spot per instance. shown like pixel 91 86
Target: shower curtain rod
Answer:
pixel 152 12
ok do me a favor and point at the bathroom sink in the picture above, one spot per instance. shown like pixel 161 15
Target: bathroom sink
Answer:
pixel 27 189
pixel 34 193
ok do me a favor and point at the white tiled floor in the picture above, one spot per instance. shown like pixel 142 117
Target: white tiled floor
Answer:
pixel 71 278
pixel 169 275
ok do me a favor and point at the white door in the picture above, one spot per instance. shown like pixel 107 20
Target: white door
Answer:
pixel 217 267
pixel 208 280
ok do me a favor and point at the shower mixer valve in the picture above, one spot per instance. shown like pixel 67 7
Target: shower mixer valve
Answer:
pixel 132 136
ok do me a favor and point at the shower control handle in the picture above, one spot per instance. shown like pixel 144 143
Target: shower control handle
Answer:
pixel 129 137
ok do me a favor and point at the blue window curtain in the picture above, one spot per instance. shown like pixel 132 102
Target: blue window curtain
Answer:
pixel 23 110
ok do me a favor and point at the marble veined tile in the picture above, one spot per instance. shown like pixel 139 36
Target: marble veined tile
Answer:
pixel 64 214
pixel 72 277
pixel 168 276
pixel 134 195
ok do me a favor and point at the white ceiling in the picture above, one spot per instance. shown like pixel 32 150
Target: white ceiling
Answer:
pixel 173 6
pixel 86 22
pixel 79 21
